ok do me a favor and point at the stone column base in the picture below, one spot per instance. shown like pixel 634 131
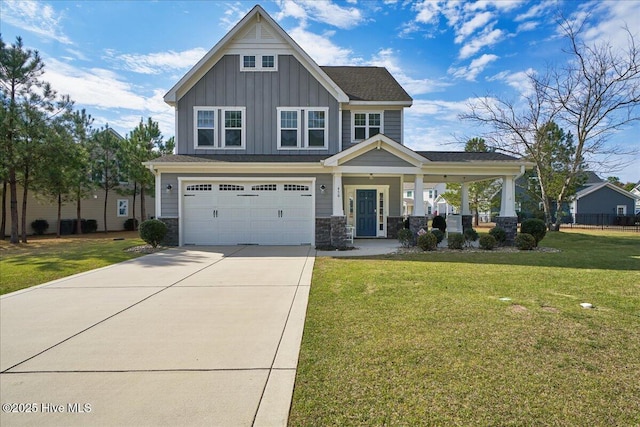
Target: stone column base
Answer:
pixel 467 222
pixel 339 232
pixel 510 226
pixel 172 238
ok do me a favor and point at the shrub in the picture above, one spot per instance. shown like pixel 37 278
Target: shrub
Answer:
pixel 525 242
pixel 439 235
pixel 439 223
pixel 488 242
pixel 131 224
pixel 40 226
pixel 89 226
pixel 455 240
pixel 405 237
pixel 427 241
pixel 470 235
pixel 499 234
pixel 535 227
pixel 153 231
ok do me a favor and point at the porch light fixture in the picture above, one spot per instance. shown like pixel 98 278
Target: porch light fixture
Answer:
pixel 169 187
pixel 370 176
pixel 323 188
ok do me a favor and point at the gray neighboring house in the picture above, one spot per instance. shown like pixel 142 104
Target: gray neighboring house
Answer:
pixel 273 149
pixel 600 202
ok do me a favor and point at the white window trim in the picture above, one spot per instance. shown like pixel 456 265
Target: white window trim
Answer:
pixel 195 128
pixel 279 110
pixel 353 123
pixel 122 203
pixel 303 127
pixel 624 209
pixel 258 66
pixel 223 128
pixel 219 128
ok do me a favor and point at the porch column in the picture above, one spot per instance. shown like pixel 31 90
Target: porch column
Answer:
pixel 508 203
pixel 464 192
pixel 338 206
pixel 418 196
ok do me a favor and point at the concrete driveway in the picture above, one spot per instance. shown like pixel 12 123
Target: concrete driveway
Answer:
pixel 193 336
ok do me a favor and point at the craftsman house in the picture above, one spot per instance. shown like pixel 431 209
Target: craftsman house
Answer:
pixel 273 149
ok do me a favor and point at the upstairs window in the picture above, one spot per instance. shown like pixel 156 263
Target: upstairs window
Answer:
pixel 205 127
pixel 219 127
pixel 366 125
pixel 268 62
pixel 303 128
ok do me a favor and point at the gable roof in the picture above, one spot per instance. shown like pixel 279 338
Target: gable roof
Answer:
pixel 257 14
pixel 595 187
pixel 368 84
pixel 376 142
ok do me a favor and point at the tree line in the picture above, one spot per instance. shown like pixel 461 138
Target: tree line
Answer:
pixel 51 148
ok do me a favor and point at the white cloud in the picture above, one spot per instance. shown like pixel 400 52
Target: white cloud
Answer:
pixel 476 66
pixel 607 22
pixel 159 62
pixel 538 10
pixel 322 11
pixel 428 12
pixel 321 48
pixel 233 14
pixel 527 26
pixel 519 80
pixel 478 21
pixel 489 37
pixel 36 17
pixel 387 58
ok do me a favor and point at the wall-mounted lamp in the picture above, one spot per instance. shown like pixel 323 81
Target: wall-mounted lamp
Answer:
pixel 323 188
pixel 169 187
pixel 95 196
pixel 370 176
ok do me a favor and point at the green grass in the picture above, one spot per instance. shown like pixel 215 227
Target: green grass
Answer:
pixel 47 258
pixel 424 339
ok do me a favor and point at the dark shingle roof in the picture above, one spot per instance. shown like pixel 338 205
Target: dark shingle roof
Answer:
pixel 464 156
pixel 241 158
pixel 367 83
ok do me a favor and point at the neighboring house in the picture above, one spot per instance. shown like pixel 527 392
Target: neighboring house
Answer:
pixel 603 203
pixel 271 148
pixel 119 209
pixel 429 196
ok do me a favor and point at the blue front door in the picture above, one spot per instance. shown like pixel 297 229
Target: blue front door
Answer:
pixel 366 213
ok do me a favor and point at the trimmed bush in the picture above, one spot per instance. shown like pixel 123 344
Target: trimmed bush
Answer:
pixel 535 227
pixel 455 240
pixel 90 226
pixel 131 224
pixel 525 242
pixel 40 226
pixel 488 242
pixel 427 241
pixel 153 231
pixel 439 223
pixel 439 235
pixel 499 234
pixel 405 237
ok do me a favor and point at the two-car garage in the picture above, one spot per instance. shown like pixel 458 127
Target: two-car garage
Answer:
pixel 247 211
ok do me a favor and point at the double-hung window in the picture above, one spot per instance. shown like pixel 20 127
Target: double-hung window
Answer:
pixel 219 127
pixel 366 125
pixel 302 128
pixel 205 127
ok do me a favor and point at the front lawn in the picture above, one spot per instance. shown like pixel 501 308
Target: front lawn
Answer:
pixel 475 338
pixel 47 258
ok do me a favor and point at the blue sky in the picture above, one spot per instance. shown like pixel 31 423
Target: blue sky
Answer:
pixel 117 59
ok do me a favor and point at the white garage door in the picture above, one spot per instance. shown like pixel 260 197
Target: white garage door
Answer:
pixel 263 213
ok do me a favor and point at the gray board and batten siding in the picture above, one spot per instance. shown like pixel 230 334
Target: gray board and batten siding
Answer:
pixel 373 158
pixel 604 201
pixel 170 200
pixel 224 85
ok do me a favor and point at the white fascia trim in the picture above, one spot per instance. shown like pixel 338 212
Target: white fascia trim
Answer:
pixel 240 168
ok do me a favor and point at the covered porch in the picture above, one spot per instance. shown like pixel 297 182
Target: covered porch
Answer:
pixel 368 181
